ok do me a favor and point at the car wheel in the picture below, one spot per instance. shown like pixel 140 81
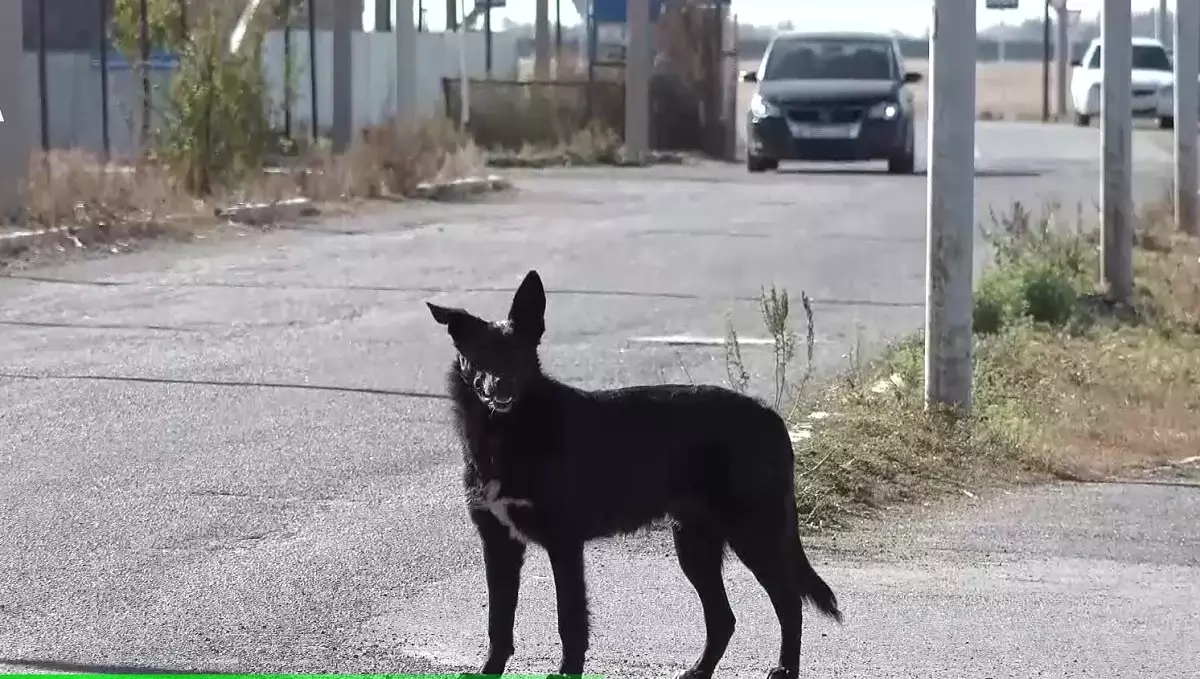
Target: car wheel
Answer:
pixel 1083 119
pixel 903 163
pixel 756 164
pixel 1166 122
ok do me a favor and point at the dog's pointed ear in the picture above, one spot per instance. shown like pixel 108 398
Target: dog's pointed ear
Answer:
pixel 443 315
pixel 528 312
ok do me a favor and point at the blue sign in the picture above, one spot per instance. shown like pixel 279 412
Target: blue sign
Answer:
pixel 613 11
pixel 161 61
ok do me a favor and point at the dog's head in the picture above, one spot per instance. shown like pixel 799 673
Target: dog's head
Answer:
pixel 498 359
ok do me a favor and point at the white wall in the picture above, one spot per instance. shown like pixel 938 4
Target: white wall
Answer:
pixel 75 94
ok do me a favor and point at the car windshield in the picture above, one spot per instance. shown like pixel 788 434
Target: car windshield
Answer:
pixel 829 59
pixel 1145 58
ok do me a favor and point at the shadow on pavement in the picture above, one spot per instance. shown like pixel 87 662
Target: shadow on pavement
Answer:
pixel 873 172
pixel 70 667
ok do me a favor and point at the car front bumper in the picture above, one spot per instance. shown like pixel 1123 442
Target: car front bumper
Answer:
pixel 1166 103
pixel 1143 104
pixel 772 138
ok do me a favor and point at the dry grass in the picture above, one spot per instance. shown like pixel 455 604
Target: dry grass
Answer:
pixel 1003 91
pixel 1065 386
pixel 75 189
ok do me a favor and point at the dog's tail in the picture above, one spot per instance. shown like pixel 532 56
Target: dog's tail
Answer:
pixel 816 591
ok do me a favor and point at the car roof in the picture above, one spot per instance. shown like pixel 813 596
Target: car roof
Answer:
pixel 1139 40
pixel 835 35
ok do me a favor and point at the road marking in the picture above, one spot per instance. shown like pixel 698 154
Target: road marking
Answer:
pixel 690 340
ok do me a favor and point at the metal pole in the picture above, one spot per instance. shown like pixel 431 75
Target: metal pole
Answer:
pixel 1162 29
pixel 285 8
pixel 105 140
pixel 951 206
pixel 14 135
pixel 1187 94
pixel 541 40
pixel 487 39
pixel 406 61
pixel 144 45
pixel 557 37
pixel 591 61
pixel 343 78
pixel 383 15
pixel 312 68
pixel 464 80
pixel 1116 190
pixel 451 15
pixel 43 87
pixel 183 22
pixel 637 78
pixel 1046 61
pixel 1062 56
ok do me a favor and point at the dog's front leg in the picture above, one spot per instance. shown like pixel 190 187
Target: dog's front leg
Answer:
pixel 566 561
pixel 502 557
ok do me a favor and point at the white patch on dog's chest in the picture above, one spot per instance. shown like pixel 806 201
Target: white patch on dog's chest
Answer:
pixel 499 507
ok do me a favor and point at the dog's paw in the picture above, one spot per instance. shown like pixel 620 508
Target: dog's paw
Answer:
pixel 692 674
pixel 781 673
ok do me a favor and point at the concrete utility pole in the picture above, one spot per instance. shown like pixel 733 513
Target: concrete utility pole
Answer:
pixel 1116 147
pixel 15 134
pixel 406 61
pixel 1062 55
pixel 541 41
pixel 638 64
pixel 343 75
pixel 1162 28
pixel 1187 96
pixel 951 208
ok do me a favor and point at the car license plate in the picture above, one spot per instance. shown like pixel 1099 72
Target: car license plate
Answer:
pixel 843 131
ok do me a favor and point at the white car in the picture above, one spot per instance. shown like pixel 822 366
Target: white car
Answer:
pixel 1166 106
pixel 1152 74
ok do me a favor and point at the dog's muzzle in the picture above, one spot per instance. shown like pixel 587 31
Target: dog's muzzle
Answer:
pixel 488 389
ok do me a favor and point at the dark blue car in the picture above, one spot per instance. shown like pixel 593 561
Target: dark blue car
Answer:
pixel 831 97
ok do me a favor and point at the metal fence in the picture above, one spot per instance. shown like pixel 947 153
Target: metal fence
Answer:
pixel 508 114
pixel 102 99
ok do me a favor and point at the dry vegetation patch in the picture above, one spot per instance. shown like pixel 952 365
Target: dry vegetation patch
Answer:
pixel 1066 386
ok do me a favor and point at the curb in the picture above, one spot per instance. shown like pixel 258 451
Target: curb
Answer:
pixel 23 240
pixel 254 214
pixel 258 214
pixel 461 189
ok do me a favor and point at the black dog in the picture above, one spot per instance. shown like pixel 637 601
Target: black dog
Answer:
pixel 558 466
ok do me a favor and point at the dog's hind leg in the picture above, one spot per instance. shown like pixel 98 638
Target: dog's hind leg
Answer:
pixel 700 548
pixel 570 586
pixel 503 557
pixel 763 541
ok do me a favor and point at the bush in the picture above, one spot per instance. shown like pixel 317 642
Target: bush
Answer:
pixel 1040 269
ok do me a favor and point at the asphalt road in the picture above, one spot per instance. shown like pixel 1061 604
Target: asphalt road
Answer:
pixel 235 457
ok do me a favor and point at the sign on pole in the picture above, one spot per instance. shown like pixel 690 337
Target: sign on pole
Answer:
pixel 1001 4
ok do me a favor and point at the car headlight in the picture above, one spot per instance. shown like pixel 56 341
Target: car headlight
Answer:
pixel 884 110
pixel 1167 91
pixel 761 108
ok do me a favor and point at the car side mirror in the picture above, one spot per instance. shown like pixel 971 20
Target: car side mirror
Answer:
pixel 750 76
pixel 912 77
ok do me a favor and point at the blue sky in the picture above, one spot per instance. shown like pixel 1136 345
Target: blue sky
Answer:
pixel 909 16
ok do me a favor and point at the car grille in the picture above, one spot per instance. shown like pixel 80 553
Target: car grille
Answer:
pixel 826 114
